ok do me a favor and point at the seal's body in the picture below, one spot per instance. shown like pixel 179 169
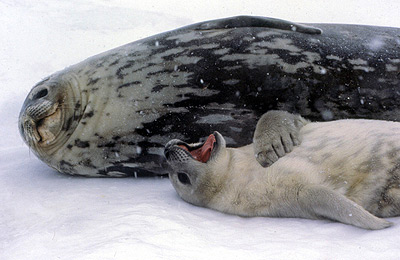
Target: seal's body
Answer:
pixel 343 170
pixel 111 114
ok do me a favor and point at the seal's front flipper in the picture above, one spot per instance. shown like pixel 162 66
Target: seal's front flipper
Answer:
pixel 319 201
pixel 256 21
pixel 275 135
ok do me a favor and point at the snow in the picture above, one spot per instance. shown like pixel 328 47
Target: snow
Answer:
pixel 47 215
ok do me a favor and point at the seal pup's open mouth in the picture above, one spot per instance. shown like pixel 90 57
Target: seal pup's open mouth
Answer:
pixel 201 152
pixel 177 150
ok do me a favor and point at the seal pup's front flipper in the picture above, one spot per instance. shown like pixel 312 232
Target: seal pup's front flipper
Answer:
pixel 255 21
pixel 326 203
pixel 277 132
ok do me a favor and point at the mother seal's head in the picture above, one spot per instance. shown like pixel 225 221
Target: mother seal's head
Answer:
pixel 192 166
pixel 50 114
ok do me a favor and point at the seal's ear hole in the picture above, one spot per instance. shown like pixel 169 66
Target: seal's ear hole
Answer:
pixel 184 178
pixel 40 94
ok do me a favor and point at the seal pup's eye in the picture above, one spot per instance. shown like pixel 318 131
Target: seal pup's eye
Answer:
pixel 183 178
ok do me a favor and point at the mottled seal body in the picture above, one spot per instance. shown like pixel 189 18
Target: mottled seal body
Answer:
pixel 111 114
pixel 346 170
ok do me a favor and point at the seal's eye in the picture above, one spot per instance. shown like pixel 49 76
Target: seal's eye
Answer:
pixel 42 93
pixel 183 178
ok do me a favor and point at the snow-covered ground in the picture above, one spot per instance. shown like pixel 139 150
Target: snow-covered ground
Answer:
pixel 47 215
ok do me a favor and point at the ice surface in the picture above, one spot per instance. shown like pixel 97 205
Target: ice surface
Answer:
pixel 47 215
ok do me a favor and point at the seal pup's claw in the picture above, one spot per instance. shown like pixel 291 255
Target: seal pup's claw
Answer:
pixel 276 134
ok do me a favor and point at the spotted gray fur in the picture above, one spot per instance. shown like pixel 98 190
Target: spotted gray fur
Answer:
pixel 117 109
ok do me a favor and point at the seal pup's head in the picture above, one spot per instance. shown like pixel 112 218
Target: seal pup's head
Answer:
pixel 197 169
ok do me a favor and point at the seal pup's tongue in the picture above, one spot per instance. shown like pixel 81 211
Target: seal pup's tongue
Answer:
pixel 203 153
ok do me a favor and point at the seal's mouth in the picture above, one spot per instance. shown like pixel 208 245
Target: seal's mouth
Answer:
pixel 177 150
pixel 42 128
pixel 49 127
pixel 201 152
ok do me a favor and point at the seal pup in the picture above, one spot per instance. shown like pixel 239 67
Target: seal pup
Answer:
pixel 110 115
pixel 345 170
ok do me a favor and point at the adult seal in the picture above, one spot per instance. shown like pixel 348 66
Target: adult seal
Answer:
pixel 112 114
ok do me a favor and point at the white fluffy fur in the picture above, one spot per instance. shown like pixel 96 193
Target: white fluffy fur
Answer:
pixel 343 170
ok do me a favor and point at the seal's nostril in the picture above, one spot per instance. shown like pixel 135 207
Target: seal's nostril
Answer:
pixel 166 153
pixel 42 93
pixel 21 129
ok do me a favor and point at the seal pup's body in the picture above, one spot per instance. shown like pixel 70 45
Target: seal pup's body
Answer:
pixel 343 170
